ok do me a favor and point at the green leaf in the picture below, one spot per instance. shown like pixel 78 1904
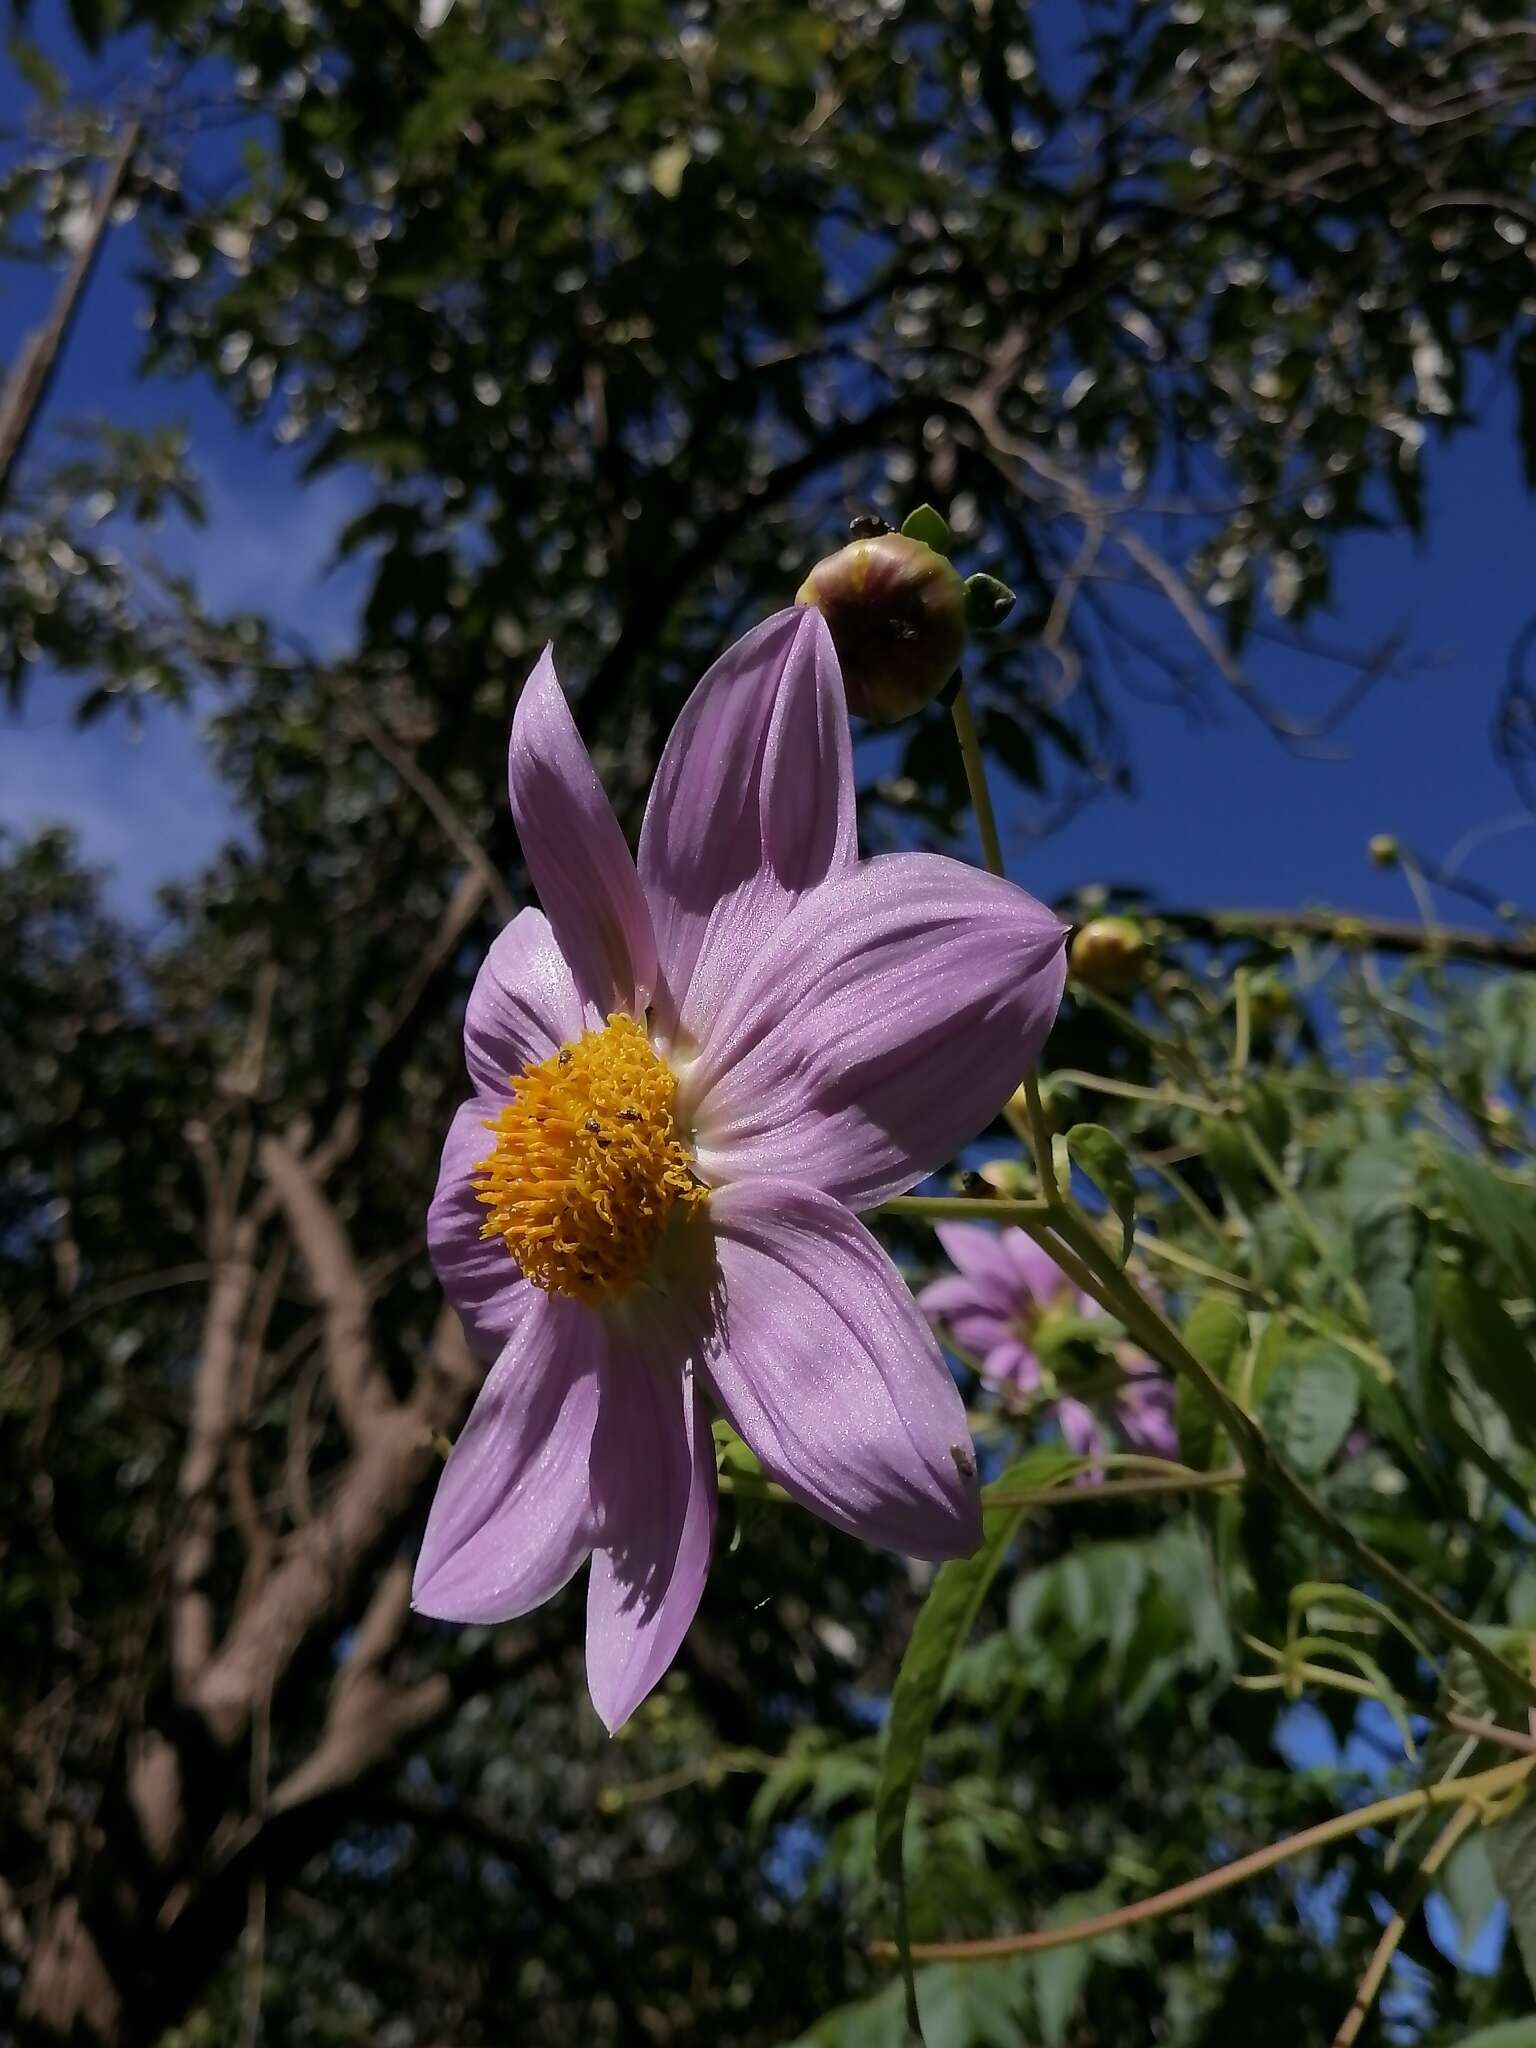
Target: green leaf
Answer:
pixel 1378 1180
pixel 1512 1853
pixel 1215 1333
pixel 33 67
pixel 1309 1404
pixel 1496 1352
pixel 1500 1214
pixel 1102 1157
pixel 928 526
pixel 946 1619
pixel 1507 2034
pixel 1470 1888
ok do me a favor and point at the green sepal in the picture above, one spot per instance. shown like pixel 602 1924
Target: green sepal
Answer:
pixel 987 602
pixel 928 526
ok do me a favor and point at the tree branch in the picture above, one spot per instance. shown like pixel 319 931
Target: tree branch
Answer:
pixel 29 381
pixel 357 1386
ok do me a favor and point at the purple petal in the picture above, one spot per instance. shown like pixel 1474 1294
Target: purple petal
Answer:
pixel 523 1006
pixel 653 1490
pixel 1012 1364
pixel 886 1023
pixel 1081 1431
pixel 512 1518
pixel 1036 1273
pixel 752 805
pixel 1144 1410
pixel 975 1330
pixel 952 1294
pixel 576 853
pixel 819 1358
pixel 478 1274
pixel 980 1254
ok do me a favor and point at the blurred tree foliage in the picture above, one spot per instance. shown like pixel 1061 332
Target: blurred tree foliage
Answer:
pixel 608 314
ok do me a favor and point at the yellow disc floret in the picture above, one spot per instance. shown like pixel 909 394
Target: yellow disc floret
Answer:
pixel 588 1168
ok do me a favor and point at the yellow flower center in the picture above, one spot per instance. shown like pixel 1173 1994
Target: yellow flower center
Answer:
pixel 588 1169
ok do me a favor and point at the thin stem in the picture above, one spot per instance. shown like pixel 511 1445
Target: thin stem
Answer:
pixel 1401 1921
pixel 1067 1494
pixel 1242 1034
pixel 1181 1187
pixel 1161 1098
pixel 976 782
pixel 1319 1674
pixel 1040 1140
pixel 1413 875
pixel 1160 1248
pixel 945 1208
pixel 750 1487
pixel 1296 1209
pixel 1475 1791
pixel 1490 1731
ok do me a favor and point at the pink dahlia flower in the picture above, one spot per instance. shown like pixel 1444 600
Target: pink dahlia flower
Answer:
pixel 991 1306
pixel 687 1077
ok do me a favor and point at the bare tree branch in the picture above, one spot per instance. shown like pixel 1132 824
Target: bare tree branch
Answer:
pixel 357 1386
pixel 375 1490
pixel 28 384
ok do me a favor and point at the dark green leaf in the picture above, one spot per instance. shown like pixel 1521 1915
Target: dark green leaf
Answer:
pixel 1309 1404
pixel 1512 1853
pixel 1499 1213
pixel 1215 1333
pixel 1102 1157
pixel 1496 1352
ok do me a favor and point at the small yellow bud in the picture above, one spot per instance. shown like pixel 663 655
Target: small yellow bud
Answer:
pixel 1270 1001
pixel 1384 850
pixel 1111 954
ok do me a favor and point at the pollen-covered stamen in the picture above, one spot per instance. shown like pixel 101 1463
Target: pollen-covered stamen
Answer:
pixel 588 1169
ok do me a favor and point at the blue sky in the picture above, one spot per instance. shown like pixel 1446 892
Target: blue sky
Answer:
pixel 1223 813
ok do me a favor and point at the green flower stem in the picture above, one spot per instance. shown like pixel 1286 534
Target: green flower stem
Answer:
pixel 1092 1266
pixel 750 1487
pixel 1068 1495
pixel 1477 1792
pixel 1159 1248
pixel 1243 1029
pixel 946 1208
pixel 976 782
pixel 1164 1098
pixel 1040 1141
pixel 1365 1997
pixel 1166 1171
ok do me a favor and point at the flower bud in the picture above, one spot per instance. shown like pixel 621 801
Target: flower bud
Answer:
pixel 1111 954
pixel 1383 850
pixel 896 610
pixel 1270 1002
pixel 1007 1178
